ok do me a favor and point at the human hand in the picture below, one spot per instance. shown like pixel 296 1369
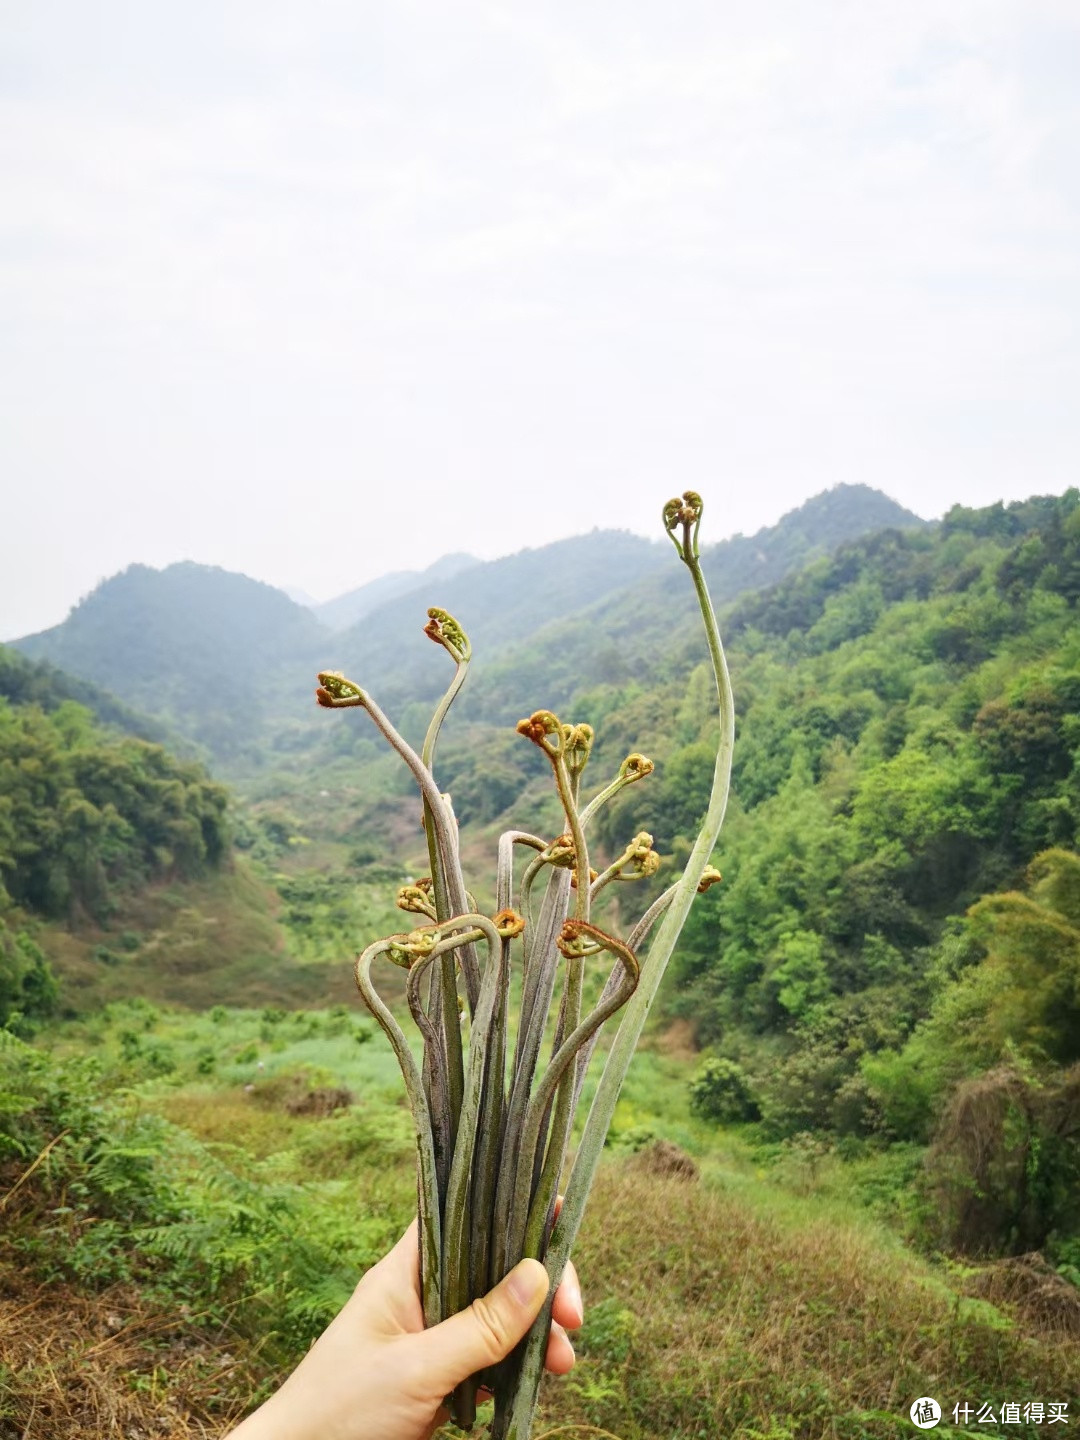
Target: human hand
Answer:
pixel 377 1374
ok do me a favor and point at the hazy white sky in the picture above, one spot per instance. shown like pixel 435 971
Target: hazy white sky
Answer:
pixel 320 290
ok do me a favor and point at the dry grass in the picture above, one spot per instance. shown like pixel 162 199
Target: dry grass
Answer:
pixel 1027 1287
pixel 205 942
pixel 708 1315
pixel 74 1366
pixel 222 1116
pixel 667 1161
pixel 718 1320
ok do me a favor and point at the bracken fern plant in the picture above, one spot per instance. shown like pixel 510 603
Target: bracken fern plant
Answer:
pixel 493 1126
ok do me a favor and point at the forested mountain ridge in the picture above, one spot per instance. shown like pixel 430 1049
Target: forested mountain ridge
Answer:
pixel 500 603
pixel 230 662
pixel 35 682
pixel 632 632
pixel 217 655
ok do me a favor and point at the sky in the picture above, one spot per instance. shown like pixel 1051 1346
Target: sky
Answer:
pixel 318 291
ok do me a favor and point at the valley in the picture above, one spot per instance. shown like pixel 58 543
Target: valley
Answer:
pixel 199 1120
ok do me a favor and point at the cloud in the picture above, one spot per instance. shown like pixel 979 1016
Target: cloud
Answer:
pixel 269 276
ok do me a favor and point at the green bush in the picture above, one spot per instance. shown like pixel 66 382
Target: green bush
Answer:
pixel 28 989
pixel 720 1091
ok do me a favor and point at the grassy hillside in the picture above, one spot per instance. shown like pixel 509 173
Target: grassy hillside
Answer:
pixel 745 1303
pixel 225 939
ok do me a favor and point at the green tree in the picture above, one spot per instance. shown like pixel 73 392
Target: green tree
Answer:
pixel 28 988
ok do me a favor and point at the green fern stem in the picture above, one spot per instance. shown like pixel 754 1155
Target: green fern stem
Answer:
pixel 516 1420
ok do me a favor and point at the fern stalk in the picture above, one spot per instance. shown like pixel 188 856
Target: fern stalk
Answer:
pixel 518 1421
pixel 491 1147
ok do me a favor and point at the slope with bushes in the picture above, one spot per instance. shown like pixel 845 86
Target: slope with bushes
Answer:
pixel 88 817
pixel 84 814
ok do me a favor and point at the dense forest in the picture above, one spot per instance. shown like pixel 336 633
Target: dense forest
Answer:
pixel 86 814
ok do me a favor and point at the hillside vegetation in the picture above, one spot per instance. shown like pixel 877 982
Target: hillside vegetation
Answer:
pixel 84 814
pixel 87 816
pixel 867 1050
pixel 908 742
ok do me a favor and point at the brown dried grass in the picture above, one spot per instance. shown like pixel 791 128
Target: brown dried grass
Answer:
pixel 746 1321
pixel 1027 1287
pixel 112 1367
pixel 666 1160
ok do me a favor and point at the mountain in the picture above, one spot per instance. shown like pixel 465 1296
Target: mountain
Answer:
pixel 300 597
pixel 583 607
pixel 230 663
pixel 217 655
pixel 633 631
pixel 500 603
pixel 345 610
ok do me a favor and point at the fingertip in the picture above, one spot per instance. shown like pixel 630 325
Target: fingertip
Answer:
pixel 569 1309
pixel 528 1284
pixel 560 1358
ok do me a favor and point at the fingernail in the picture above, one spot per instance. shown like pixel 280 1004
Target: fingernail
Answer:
pixel 576 1302
pixel 527 1282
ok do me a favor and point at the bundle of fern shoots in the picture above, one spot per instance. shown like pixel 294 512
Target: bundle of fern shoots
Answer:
pixel 493 1123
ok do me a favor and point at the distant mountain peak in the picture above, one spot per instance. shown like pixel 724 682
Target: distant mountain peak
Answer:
pixel 202 647
pixel 345 610
pixel 874 507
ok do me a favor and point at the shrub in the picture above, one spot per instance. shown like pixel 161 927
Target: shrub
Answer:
pixel 721 1092
pixel 1004 1168
pixel 28 988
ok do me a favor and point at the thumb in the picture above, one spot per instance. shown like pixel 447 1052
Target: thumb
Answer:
pixel 489 1329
